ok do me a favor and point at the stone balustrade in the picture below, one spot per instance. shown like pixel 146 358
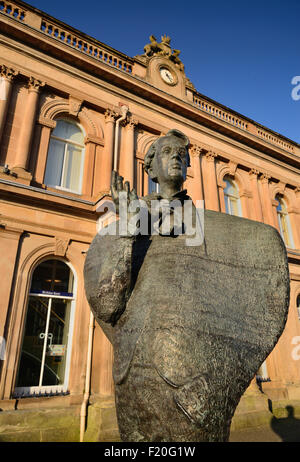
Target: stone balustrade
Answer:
pixel 85 46
pixel 219 112
pixel 275 140
pixel 13 10
pixel 238 122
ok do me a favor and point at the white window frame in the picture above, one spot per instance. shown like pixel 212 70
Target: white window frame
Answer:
pixel 232 197
pixel 53 389
pixel 283 215
pixel 66 141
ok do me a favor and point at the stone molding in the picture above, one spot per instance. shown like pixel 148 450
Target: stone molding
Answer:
pixel 46 122
pixel 94 139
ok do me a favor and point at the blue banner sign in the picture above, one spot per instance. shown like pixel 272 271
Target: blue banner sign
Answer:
pixel 48 292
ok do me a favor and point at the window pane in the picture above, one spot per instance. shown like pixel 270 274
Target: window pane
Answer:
pixel 52 276
pixel 55 361
pixel 54 163
pixel 32 349
pixel 68 131
pixel 234 208
pixel 230 188
pixel 72 169
pixel 227 205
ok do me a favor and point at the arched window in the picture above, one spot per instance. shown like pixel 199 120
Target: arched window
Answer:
pixel 232 198
pixel 65 156
pixel 298 306
pixel 284 222
pixel 45 356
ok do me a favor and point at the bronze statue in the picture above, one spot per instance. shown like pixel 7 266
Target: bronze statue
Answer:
pixel 190 324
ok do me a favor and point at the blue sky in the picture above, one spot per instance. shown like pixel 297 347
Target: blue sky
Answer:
pixel 242 54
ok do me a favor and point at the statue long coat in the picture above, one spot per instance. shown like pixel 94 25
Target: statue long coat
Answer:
pixel 190 326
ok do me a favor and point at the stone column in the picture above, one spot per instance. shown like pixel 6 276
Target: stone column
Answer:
pixel 7 75
pixel 210 181
pixel 27 128
pixel 128 153
pixel 195 153
pixel 108 151
pixel 266 200
pixel 257 212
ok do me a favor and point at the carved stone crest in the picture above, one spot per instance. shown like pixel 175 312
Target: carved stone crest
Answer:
pixel 154 48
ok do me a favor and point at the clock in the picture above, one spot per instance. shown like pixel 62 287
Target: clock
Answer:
pixel 167 75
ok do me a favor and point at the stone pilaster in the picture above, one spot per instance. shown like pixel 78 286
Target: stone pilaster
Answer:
pixel 27 127
pixel 7 75
pixel 210 181
pixel 195 154
pixel 128 153
pixel 108 151
pixel 258 214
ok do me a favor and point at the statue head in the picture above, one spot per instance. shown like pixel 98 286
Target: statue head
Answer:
pixel 167 159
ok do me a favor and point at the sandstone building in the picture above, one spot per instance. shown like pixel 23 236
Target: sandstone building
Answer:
pixel 72 108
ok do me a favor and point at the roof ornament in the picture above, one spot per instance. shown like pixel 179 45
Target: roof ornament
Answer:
pixel 154 48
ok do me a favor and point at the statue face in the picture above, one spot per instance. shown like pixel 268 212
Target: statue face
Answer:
pixel 170 161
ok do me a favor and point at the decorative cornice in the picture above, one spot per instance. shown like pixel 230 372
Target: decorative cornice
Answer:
pixel 8 73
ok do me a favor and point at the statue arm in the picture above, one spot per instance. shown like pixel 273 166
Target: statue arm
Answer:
pixel 107 275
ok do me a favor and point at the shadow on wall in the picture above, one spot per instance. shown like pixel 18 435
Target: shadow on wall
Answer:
pixel 287 428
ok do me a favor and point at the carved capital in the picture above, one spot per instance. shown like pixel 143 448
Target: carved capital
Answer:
pixel 131 123
pixel 110 115
pixel 265 177
pixel 8 73
pixel 210 156
pixel 74 106
pixel 61 245
pixel 35 84
pixel 254 173
pixel 195 151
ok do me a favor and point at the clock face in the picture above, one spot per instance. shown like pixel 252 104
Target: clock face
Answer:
pixel 167 76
